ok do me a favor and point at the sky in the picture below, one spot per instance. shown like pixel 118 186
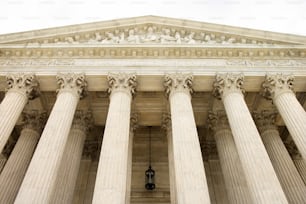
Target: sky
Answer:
pixel 285 16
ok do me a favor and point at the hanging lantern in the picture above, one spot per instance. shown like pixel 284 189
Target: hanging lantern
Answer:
pixel 150 173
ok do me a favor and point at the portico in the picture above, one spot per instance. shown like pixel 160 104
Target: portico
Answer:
pixel 153 67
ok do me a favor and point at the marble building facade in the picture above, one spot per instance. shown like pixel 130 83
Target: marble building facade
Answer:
pixel 226 106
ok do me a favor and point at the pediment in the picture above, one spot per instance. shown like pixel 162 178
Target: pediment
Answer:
pixel 151 31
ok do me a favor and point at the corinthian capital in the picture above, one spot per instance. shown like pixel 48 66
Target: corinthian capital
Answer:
pixel 122 82
pixel 227 83
pixel 83 120
pixel 265 120
pixel 166 121
pixel 71 82
pixel 178 82
pixel 217 120
pixel 25 83
pixel 277 84
pixel 134 121
pixel 34 120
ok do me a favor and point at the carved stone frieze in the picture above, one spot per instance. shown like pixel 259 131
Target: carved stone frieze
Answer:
pixel 122 82
pixel 178 82
pixel 24 83
pixel 83 120
pixel 72 82
pixel 153 34
pixel 34 120
pixel 277 84
pixel 265 120
pixel 217 120
pixel 227 83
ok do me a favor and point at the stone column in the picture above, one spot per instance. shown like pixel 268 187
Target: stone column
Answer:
pixel 166 125
pixel 21 88
pixel 298 161
pixel 17 164
pixel 261 179
pixel 133 127
pixel 3 160
pixel 89 155
pixel 40 178
pixel 190 179
pixel 234 177
pixel 111 180
pixel 279 88
pixel 287 173
pixel 70 164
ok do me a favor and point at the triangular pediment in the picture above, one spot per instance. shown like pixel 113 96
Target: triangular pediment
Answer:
pixel 151 30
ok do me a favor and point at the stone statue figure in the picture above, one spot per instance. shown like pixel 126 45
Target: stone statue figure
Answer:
pixel 110 38
pixel 133 38
pixel 189 38
pixel 166 37
pixel 150 36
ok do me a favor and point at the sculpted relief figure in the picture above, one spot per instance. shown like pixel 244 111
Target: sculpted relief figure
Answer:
pixel 189 38
pixel 110 39
pixel 97 38
pixel 133 38
pixel 150 36
pixel 166 37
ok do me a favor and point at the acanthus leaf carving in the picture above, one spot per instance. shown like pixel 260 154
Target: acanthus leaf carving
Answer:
pixel 265 119
pixel 227 83
pixel 276 84
pixel 122 82
pixel 25 83
pixel 178 82
pixel 34 119
pixel 72 82
pixel 83 120
pixel 134 122
pixel 217 120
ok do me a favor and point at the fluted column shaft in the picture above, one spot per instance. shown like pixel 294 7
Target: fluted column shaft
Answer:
pixel 261 178
pixel 234 177
pixel 3 160
pixel 190 179
pixel 167 127
pixel 301 167
pixel 21 88
pixel 133 127
pixel 17 164
pixel 285 169
pixel 70 164
pixel 40 179
pixel 279 88
pixel 111 180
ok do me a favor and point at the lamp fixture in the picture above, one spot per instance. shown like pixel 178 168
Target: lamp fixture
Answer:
pixel 150 173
